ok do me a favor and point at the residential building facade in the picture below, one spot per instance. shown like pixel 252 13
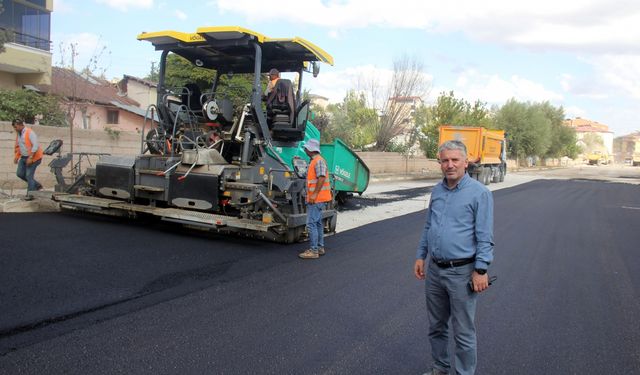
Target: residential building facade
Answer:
pixel 96 103
pixel 584 126
pixel 26 59
pixel 626 146
pixel 142 91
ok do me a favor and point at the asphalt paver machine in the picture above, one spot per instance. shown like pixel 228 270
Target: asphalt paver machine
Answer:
pixel 209 160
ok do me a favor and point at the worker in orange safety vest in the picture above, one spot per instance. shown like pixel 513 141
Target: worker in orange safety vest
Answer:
pixel 318 194
pixel 28 155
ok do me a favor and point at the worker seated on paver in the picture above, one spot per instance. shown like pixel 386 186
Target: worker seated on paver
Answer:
pixel 281 109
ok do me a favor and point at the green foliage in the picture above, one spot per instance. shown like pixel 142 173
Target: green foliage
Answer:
pixel 113 133
pixel 530 128
pixel 592 142
pixel 154 73
pixel 449 110
pixel 180 71
pixel 352 121
pixel 27 105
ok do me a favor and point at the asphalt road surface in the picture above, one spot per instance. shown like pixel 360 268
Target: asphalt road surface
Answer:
pixel 97 295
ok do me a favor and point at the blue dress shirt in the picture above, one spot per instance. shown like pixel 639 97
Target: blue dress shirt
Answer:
pixel 459 223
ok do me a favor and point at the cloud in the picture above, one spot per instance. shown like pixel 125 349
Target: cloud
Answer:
pixel 593 26
pixel 621 73
pixel 181 15
pixel 494 89
pixel 124 5
pixel 63 7
pixel 573 112
pixel 335 84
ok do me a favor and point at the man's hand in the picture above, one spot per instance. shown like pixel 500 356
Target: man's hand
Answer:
pixel 15 160
pixel 30 160
pixel 418 269
pixel 480 282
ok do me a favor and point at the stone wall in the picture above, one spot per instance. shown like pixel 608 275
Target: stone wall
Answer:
pixel 381 163
pixel 128 143
pixel 91 141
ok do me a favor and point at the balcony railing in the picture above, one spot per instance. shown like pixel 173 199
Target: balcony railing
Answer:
pixel 27 40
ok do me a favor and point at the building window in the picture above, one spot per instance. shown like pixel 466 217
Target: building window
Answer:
pixel 112 117
pixel 29 21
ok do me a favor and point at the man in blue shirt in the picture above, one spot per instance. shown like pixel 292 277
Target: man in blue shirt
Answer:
pixel 458 236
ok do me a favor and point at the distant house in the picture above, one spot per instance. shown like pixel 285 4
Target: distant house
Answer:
pixel 99 104
pixel 404 108
pixel 625 146
pixel 584 126
pixel 319 101
pixel 142 91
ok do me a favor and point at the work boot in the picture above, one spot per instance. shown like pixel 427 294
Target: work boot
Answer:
pixel 321 251
pixel 28 197
pixel 309 254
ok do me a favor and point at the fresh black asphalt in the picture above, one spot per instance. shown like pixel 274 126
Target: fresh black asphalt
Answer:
pixel 84 294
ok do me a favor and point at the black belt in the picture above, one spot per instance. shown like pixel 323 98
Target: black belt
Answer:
pixel 454 262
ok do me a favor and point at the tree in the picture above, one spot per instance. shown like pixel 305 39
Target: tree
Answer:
pixel 390 100
pixel 29 105
pixel 449 110
pixel 180 71
pixel 68 55
pixel 592 142
pixel 527 126
pixel 154 73
pixel 562 138
pixel 352 121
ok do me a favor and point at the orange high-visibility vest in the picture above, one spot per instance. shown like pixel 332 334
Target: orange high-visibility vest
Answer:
pixel 27 141
pixel 312 180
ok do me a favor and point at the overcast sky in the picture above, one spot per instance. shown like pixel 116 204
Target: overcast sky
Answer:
pixel 581 55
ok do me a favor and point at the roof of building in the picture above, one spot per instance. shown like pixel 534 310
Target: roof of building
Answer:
pixel 316 96
pixel 83 87
pixel 145 82
pixel 584 125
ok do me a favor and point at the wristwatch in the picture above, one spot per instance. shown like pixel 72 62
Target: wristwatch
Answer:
pixel 480 271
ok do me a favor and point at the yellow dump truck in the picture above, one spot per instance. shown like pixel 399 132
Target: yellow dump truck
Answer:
pixel 599 157
pixel 486 151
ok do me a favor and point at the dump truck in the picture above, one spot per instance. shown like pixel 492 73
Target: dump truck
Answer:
pixel 486 151
pixel 213 159
pixel 598 157
pixel 635 159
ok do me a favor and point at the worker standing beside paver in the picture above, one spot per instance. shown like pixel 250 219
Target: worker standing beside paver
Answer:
pixel 458 236
pixel 28 155
pixel 318 194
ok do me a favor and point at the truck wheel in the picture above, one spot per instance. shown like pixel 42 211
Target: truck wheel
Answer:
pixel 496 177
pixel 485 174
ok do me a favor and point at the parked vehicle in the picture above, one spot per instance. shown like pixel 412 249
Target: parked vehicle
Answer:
pixel 599 157
pixel 635 161
pixel 486 151
pixel 209 162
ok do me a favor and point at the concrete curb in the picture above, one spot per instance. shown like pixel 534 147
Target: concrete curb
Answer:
pixel 42 202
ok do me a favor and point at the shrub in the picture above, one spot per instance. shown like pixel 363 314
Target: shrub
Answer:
pixel 28 105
